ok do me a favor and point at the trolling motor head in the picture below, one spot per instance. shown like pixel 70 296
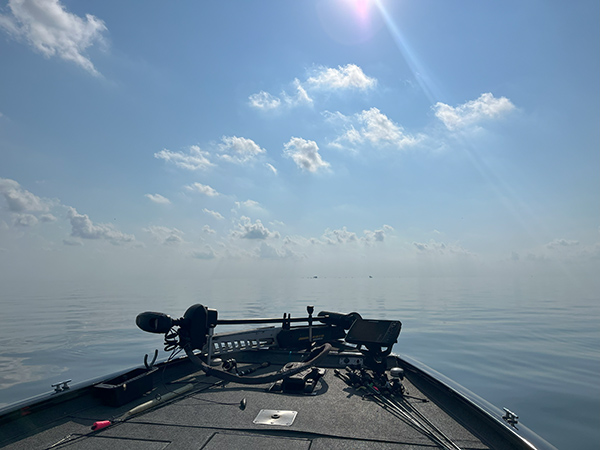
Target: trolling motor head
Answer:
pixel 194 325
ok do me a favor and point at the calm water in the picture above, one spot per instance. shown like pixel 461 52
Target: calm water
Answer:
pixel 531 345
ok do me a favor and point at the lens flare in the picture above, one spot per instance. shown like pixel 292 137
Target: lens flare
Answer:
pixel 419 72
pixel 349 22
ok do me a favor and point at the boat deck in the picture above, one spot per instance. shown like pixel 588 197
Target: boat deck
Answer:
pixel 209 416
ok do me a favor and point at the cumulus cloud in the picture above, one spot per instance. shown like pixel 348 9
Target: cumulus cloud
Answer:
pixel 24 220
pixel 157 198
pixel 377 235
pixel 301 96
pixel 305 154
pixel 20 200
pixel 194 159
pixel 370 127
pixel 82 227
pixel 473 111
pixel 215 214
pixel 47 218
pixel 348 76
pixel 245 229
pixel 264 101
pixel 202 189
pixel 208 230
pixel 207 253
pixel 266 251
pixel 165 235
pixel 239 150
pixel 250 206
pixel 247 204
pixel 53 31
pixel 439 248
pixel 341 236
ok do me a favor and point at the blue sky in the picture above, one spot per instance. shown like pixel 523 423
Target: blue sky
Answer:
pixel 342 137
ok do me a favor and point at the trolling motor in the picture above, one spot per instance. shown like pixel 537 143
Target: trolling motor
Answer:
pixel 195 330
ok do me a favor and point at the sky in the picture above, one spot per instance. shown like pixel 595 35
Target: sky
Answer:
pixel 298 138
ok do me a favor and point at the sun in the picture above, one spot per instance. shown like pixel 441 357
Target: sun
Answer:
pixel 362 9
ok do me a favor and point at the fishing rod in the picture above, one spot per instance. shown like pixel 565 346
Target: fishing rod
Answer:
pixel 365 381
pixel 410 406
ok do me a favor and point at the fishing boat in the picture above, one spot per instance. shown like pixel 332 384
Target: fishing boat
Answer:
pixel 324 381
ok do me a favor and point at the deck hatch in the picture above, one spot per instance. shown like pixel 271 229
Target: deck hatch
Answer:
pixel 275 417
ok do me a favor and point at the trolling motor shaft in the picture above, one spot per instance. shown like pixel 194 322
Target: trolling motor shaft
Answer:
pixel 198 320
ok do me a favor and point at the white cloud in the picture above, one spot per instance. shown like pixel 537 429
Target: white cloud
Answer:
pixel 379 129
pixel 247 204
pixel 342 236
pixel 348 76
pixel 47 218
pixel 207 253
pixel 203 189
pixel 239 150
pixel 83 227
pixel 215 214
pixel 377 235
pixel 208 230
pixel 25 220
pixel 157 198
pixel 271 168
pixel 251 206
pixel 19 199
pixel 165 235
pixel 248 230
pixel 305 154
pixel 195 159
pixel 372 127
pixel 439 248
pixel 473 111
pixel 301 97
pixel 266 251
pixel 264 101
pixel 53 31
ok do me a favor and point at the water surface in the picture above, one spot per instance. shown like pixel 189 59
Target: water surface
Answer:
pixel 532 345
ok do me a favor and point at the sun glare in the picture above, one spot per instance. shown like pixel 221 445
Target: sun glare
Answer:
pixel 361 8
pixel 350 21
